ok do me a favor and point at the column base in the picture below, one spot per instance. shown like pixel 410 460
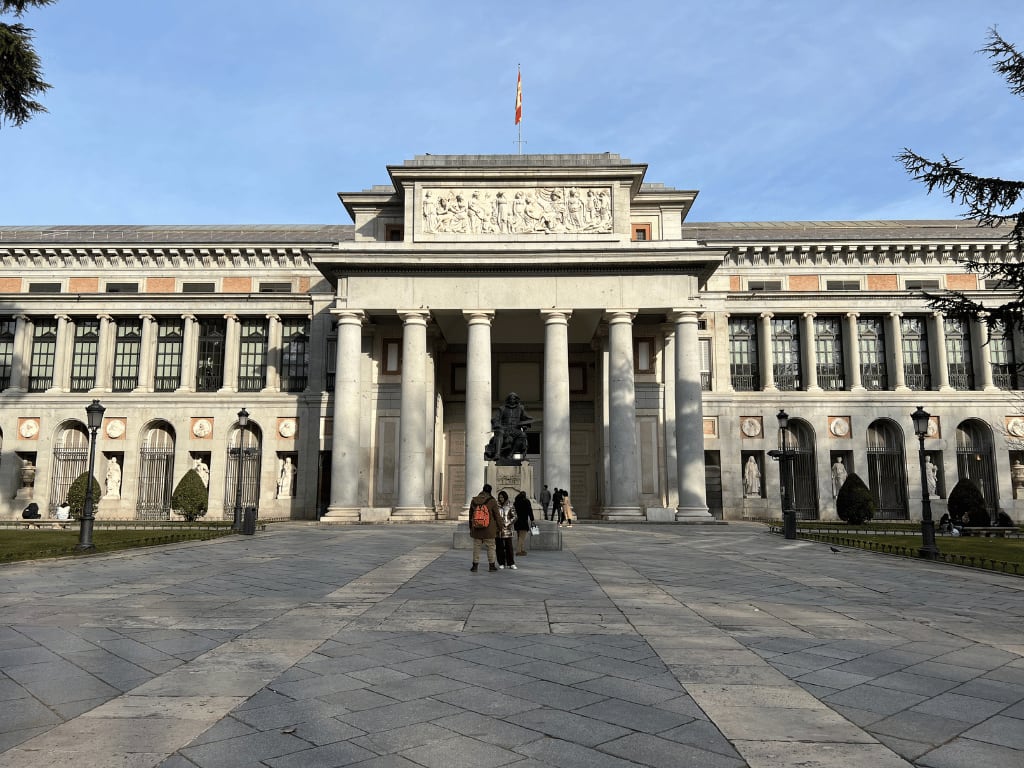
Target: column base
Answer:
pixel 689 514
pixel 623 514
pixel 412 515
pixel 341 515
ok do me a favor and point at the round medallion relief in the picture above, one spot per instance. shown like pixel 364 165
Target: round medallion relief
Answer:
pixel 202 428
pixel 287 428
pixel 840 427
pixel 115 428
pixel 1015 427
pixel 29 429
pixel 750 427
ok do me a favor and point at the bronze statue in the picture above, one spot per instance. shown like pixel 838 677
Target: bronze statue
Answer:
pixel 509 428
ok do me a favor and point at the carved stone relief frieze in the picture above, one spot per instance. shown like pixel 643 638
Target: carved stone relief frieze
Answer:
pixel 513 211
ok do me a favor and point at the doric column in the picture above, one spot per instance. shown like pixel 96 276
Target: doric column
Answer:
pixel 809 352
pixel 896 355
pixel 147 354
pixel 722 374
pixel 624 489
pixel 189 353
pixel 938 348
pixel 273 378
pixel 689 405
pixel 346 458
pixel 979 340
pixel 852 347
pixel 232 345
pixel 764 343
pixel 555 436
pixel 478 398
pixel 412 429
pixel 22 352
pixel 105 353
pixel 62 354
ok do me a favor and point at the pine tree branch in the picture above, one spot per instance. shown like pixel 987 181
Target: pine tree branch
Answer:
pixel 1008 61
pixel 20 76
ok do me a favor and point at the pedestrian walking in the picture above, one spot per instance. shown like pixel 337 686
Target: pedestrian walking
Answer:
pixel 503 543
pixel 524 521
pixel 545 502
pixel 483 526
pixel 567 512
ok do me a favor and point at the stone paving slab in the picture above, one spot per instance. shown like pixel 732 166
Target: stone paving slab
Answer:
pixel 633 646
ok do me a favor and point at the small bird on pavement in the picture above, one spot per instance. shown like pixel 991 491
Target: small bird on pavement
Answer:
pixel 834 550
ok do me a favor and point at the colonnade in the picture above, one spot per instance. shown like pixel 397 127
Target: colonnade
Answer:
pixel 415 498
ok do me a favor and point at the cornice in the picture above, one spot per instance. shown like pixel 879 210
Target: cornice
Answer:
pixel 197 257
pixel 867 254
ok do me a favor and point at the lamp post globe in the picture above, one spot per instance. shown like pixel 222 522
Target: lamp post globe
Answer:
pixel 94 418
pixel 929 549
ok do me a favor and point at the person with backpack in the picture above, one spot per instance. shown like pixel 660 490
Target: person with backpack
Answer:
pixel 483 526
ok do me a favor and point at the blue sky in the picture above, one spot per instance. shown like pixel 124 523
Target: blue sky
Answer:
pixel 258 112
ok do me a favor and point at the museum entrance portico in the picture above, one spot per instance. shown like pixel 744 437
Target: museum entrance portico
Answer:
pixel 473 278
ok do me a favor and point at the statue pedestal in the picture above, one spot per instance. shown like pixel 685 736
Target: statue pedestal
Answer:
pixel 509 477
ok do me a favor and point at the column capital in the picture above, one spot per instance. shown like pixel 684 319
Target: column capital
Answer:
pixel 414 316
pixel 767 315
pixel 554 315
pixel 105 317
pixel 853 315
pixel 478 316
pixel 614 316
pixel 273 316
pixel 678 316
pixel 348 316
pixel 810 315
pixel 147 317
pixel 188 316
pixel 64 318
pixel 230 316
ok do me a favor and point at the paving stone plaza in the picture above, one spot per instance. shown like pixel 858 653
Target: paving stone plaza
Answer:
pixel 374 646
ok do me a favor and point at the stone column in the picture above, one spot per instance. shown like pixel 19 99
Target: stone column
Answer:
pixel 189 353
pixel 555 437
pixel 62 355
pixel 22 352
pixel 624 488
pixel 689 404
pixel 764 344
pixel 979 340
pixel 412 429
pixel 232 344
pixel 896 351
pixel 346 456
pixel 274 351
pixel 147 354
pixel 938 346
pixel 809 353
pixel 478 398
pixel 852 347
pixel 105 353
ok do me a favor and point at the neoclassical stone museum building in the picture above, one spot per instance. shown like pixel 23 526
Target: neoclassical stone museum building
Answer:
pixel 652 354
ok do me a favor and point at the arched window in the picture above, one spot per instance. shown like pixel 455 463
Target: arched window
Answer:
pixel 887 471
pixel 975 460
pixel 156 473
pixel 805 476
pixel 242 489
pixel 70 459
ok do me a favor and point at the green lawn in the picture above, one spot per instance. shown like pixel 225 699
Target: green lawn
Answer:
pixel 16 544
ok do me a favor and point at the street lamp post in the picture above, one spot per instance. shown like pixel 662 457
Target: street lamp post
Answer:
pixel 243 422
pixel 929 549
pixel 785 457
pixel 94 416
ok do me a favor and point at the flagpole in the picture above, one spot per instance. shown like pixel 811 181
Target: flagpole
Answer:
pixel 519 107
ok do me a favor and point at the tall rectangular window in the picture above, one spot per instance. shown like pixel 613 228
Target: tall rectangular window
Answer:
pixel 916 367
pixel 210 358
pixel 959 360
pixel 127 353
pixel 786 353
pixel 1004 360
pixel 828 351
pixel 874 372
pixel 294 354
pixel 643 355
pixel 84 354
pixel 744 370
pixel 331 361
pixel 391 356
pixel 44 355
pixel 252 354
pixel 7 326
pixel 705 364
pixel 169 344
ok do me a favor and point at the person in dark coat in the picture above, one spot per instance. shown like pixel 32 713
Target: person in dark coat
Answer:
pixel 484 535
pixel 524 519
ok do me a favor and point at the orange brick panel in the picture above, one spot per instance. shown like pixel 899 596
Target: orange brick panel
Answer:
pixel 237 285
pixel 882 283
pixel 734 282
pixel 84 285
pixel 803 282
pixel 159 285
pixel 962 282
pixel 10 285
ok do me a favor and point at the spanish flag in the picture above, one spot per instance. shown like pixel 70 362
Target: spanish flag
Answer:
pixel 519 97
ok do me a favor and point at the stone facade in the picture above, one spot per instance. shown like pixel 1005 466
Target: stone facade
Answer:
pixel 652 353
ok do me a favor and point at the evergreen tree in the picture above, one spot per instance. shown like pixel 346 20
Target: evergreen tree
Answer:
pixel 77 495
pixel 855 503
pixel 990 201
pixel 190 497
pixel 21 77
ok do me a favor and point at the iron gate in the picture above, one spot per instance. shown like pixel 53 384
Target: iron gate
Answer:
pixel 805 478
pixel 242 486
pixel 70 460
pixel 974 462
pixel 156 475
pixel 887 472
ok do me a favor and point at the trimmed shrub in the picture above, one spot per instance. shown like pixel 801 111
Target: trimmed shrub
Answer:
pixel 966 504
pixel 76 495
pixel 855 504
pixel 190 497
